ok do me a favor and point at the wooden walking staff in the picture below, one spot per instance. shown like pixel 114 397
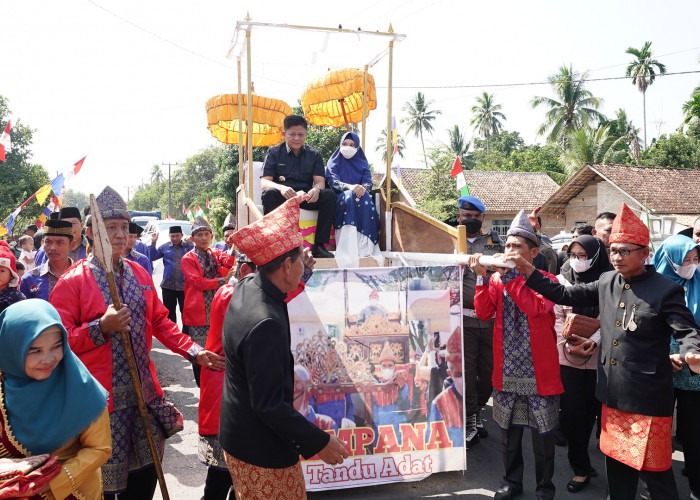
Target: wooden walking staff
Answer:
pixel 102 250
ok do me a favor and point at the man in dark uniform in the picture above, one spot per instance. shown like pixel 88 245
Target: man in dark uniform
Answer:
pixel 291 167
pixel 639 311
pixel 477 334
pixel 39 283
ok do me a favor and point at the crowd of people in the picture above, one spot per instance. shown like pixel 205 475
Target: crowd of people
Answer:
pixel 605 337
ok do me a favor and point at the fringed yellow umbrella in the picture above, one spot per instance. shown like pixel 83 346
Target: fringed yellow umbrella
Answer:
pixel 336 98
pixel 268 119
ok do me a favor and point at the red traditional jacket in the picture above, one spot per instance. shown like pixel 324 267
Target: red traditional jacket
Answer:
pixel 488 301
pixel 212 382
pixel 80 303
pixel 194 312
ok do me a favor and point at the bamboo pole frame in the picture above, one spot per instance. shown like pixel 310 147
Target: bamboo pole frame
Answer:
pixel 249 142
pixel 240 126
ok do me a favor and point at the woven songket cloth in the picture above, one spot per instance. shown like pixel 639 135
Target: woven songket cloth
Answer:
pixel 273 235
pixel 112 205
pixel 261 483
pixel 628 228
pixel 640 441
pixel 521 227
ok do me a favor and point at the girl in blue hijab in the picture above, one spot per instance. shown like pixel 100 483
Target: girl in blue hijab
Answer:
pixel 677 259
pixel 50 402
pixel 356 218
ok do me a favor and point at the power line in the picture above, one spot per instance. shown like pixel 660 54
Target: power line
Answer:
pixel 156 35
pixel 526 84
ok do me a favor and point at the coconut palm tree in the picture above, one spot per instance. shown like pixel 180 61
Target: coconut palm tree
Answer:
pixel 691 108
pixel 419 118
pixel 643 73
pixel 576 107
pixel 587 145
pixel 487 117
pixel 156 174
pixel 381 145
pixel 459 147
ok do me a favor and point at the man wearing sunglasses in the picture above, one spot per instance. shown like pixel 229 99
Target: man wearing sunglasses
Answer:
pixel 639 310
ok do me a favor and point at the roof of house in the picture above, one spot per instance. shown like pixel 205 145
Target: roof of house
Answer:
pixel 500 191
pixel 662 190
pixel 510 191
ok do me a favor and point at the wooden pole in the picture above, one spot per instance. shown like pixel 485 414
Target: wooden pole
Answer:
pixel 240 127
pixel 388 123
pixel 345 115
pixel 102 250
pixel 364 108
pixel 249 142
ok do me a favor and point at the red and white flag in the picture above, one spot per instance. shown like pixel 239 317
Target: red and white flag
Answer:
pixel 207 204
pixel 456 167
pixel 5 141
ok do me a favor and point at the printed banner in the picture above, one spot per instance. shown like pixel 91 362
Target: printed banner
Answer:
pixel 375 351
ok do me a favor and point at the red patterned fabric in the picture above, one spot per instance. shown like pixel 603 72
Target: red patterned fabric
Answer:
pixel 454 347
pixel 450 408
pixel 640 441
pixel 628 228
pixel 260 483
pixel 271 236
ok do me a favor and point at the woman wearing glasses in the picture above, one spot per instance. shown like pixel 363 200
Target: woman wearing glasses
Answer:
pixel 639 312
pixel 578 357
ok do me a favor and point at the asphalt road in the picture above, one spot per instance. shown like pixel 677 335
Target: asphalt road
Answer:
pixel 185 474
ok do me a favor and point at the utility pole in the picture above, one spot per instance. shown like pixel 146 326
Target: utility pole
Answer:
pixel 128 192
pixel 169 165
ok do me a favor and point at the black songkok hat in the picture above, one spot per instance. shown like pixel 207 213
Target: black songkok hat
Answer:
pixel 57 227
pixel 175 229
pixel 135 229
pixel 67 212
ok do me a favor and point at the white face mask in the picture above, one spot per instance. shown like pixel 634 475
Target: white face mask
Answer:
pixel 686 272
pixel 348 151
pixel 388 373
pixel 581 266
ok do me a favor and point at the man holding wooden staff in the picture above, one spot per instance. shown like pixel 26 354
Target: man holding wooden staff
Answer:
pixel 83 299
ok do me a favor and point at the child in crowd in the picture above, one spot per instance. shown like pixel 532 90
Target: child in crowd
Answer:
pixel 20 269
pixel 26 257
pixel 9 279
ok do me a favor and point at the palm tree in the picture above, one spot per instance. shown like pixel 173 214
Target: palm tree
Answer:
pixel 487 117
pixel 691 108
pixel 156 174
pixel 643 73
pixel 419 118
pixel 381 145
pixel 459 147
pixel 576 107
pixel 587 145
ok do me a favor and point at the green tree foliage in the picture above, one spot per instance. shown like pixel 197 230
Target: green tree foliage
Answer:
pixel 573 108
pixel 440 191
pixel 487 117
pixel 677 150
pixel 73 198
pixel 19 177
pixel 642 70
pixel 691 108
pixel 459 147
pixel 587 145
pixel 419 118
pixel 381 146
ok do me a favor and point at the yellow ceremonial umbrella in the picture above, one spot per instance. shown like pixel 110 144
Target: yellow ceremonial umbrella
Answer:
pixel 268 119
pixel 337 98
